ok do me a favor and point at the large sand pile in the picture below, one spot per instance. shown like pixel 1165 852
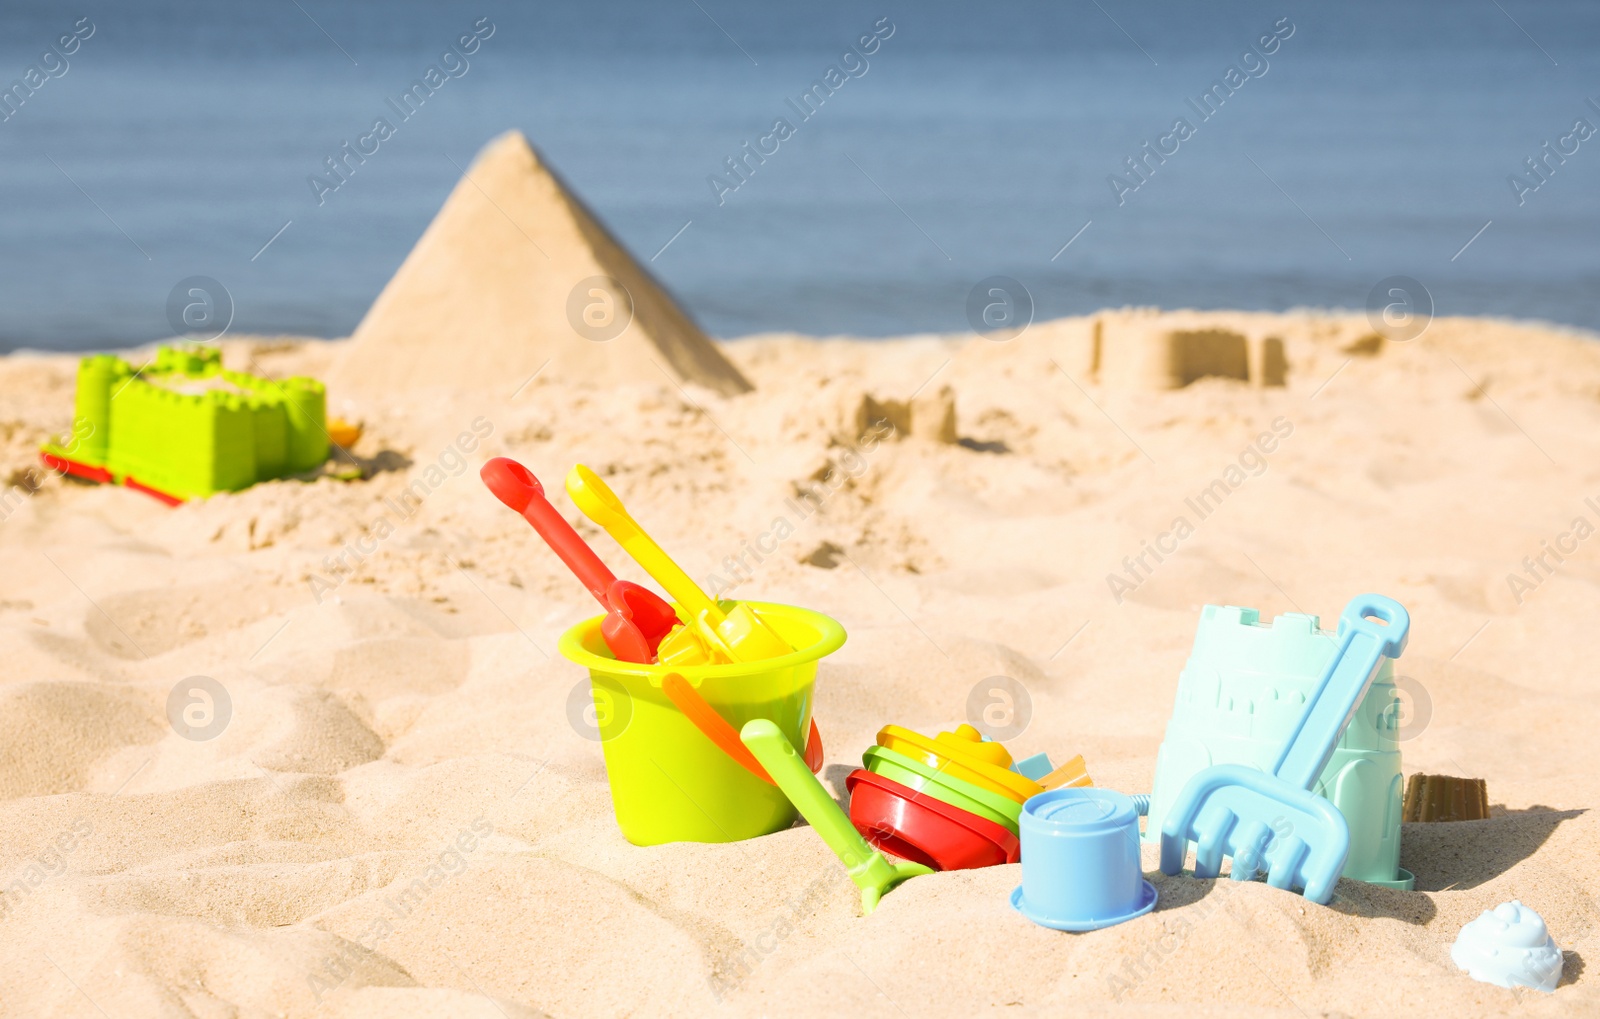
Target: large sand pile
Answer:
pixel 399 819
pixel 513 276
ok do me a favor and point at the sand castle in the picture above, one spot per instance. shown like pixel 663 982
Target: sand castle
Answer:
pixel 184 427
pixel 515 276
pixel 1145 349
pixel 1244 685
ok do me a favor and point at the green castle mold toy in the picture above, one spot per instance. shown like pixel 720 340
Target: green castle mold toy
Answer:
pixel 1240 695
pixel 185 428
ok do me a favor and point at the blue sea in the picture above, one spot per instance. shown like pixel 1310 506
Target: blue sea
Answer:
pixel 163 140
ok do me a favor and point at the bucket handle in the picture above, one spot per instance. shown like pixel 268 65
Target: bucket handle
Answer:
pixel 718 731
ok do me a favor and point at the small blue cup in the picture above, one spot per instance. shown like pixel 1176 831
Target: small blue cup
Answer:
pixel 1080 860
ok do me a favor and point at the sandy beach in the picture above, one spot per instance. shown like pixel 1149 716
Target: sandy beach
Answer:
pixel 398 711
pixel 1037 394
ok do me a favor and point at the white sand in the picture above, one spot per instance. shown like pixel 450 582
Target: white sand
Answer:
pixel 422 696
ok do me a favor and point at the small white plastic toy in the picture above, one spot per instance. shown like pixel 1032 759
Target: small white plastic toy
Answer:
pixel 1511 947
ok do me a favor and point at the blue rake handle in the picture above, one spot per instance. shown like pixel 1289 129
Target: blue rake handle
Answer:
pixel 1371 628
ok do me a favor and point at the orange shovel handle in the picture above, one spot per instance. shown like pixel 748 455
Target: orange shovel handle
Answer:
pixel 726 738
pixel 813 754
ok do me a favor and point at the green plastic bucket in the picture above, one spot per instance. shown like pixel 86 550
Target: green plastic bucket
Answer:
pixel 669 782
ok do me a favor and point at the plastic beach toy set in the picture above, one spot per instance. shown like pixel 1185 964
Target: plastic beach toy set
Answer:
pixel 1280 758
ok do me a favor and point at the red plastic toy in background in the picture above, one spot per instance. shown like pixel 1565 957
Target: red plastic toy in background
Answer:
pixel 636 617
pixel 913 826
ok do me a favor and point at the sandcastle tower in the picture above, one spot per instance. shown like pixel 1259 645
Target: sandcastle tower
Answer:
pixel 1240 693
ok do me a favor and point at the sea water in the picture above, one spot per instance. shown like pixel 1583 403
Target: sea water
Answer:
pixel 948 143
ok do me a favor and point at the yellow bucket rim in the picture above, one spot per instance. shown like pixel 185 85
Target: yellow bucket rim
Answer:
pixel 830 637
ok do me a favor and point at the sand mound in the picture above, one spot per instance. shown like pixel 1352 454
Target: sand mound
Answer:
pixel 512 274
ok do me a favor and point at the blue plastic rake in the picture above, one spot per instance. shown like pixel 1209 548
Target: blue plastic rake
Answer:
pixel 1237 811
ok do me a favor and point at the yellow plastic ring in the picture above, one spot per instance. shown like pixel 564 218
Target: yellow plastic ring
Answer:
pixel 952 761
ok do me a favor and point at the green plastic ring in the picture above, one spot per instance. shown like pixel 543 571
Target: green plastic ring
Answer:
pixel 1002 810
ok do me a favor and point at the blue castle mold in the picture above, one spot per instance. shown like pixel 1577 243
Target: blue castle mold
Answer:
pixel 1239 695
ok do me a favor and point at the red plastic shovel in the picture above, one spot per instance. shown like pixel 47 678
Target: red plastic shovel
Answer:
pixel 636 617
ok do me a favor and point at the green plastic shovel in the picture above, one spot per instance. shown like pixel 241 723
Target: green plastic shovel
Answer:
pixel 869 869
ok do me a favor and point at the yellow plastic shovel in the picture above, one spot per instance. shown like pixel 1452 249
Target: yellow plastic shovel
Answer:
pixel 709 634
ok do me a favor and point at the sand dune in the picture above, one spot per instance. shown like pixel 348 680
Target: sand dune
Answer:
pixel 397 700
